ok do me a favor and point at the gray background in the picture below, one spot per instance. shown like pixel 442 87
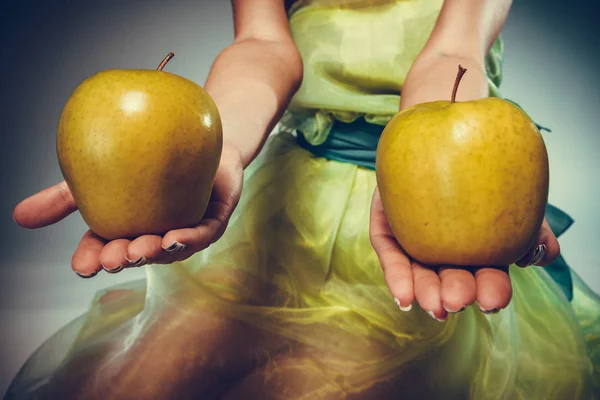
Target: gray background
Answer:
pixel 47 49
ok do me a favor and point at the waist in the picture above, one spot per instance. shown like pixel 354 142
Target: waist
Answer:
pixel 354 143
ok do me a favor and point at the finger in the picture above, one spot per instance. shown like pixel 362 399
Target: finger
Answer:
pixel 378 223
pixel 546 250
pixel 202 235
pixel 458 288
pixel 224 198
pixel 144 249
pixel 395 263
pixel 86 259
pixel 112 257
pixel 533 257
pixel 46 207
pixel 428 291
pixel 397 272
pixel 494 289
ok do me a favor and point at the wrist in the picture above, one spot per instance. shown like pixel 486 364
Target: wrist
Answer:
pixel 243 148
pixel 432 77
pixel 232 154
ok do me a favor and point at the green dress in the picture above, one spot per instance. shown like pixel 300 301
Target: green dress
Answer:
pixel 294 294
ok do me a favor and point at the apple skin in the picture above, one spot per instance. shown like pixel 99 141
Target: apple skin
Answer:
pixel 463 183
pixel 139 150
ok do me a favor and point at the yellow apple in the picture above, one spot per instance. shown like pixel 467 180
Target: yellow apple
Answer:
pixel 139 150
pixel 463 183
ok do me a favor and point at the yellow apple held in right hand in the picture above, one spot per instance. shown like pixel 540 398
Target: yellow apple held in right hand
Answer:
pixel 139 150
pixel 463 183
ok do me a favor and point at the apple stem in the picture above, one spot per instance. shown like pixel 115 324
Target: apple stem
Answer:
pixel 461 72
pixel 165 61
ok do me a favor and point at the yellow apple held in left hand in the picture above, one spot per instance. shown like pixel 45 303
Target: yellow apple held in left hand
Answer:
pixel 463 183
pixel 139 150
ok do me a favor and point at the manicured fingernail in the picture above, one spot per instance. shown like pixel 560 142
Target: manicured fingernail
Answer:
pixel 492 311
pixel 405 309
pixel 93 274
pixel 137 263
pixel 434 317
pixel 175 247
pixel 538 254
pixel 118 268
pixel 454 311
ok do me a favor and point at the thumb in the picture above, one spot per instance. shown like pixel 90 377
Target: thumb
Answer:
pixel 545 251
pixel 46 207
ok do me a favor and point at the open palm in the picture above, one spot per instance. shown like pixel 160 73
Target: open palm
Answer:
pixel 94 253
pixel 447 289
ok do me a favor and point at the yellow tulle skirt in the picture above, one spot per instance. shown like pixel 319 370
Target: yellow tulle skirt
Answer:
pixel 291 303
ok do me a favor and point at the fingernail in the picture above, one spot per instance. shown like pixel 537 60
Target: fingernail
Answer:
pixel 405 309
pixel 175 247
pixel 538 254
pixel 454 311
pixel 137 263
pixel 113 270
pixel 434 317
pixel 93 274
pixel 492 311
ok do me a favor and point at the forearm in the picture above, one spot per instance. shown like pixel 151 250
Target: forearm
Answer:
pixel 468 28
pixel 252 81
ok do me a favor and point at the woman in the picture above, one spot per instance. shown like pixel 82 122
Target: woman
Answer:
pixel 292 300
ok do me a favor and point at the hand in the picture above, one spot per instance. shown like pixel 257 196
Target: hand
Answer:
pixel 448 289
pixel 94 253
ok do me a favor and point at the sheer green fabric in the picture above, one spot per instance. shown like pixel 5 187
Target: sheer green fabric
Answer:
pixel 296 270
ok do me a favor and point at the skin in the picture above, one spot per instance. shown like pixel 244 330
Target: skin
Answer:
pixel 252 82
